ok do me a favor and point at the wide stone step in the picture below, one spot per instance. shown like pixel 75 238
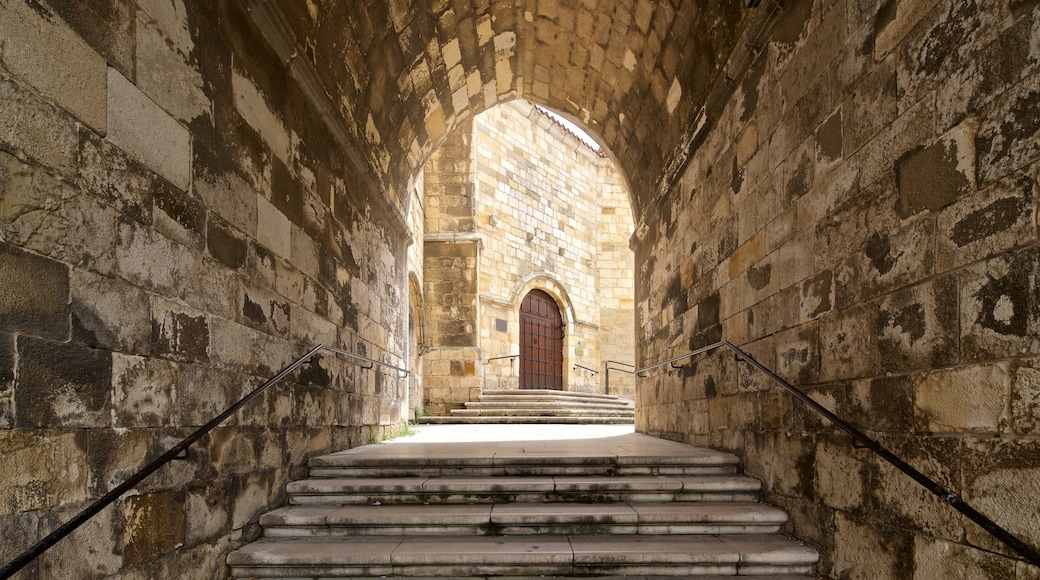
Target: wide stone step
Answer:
pixel 587 489
pixel 515 404
pixel 551 393
pixel 537 411
pixel 469 557
pixel 575 399
pixel 656 518
pixel 514 420
pixel 629 456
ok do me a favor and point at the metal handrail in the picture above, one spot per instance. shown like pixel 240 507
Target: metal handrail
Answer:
pixel 401 373
pixel 595 372
pixel 176 452
pixel 509 356
pixel 1007 538
pixel 607 369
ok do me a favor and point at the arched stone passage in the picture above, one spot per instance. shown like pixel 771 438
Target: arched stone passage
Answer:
pixel 403 75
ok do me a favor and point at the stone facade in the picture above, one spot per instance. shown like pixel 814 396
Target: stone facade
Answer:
pixel 514 202
pixel 177 223
pixel 193 192
pixel 861 217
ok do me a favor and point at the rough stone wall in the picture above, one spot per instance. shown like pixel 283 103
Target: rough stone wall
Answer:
pixel 862 217
pixel 451 256
pixel 540 198
pixel 177 222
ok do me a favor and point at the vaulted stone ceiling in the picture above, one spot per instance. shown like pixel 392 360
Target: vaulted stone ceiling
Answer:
pixel 404 73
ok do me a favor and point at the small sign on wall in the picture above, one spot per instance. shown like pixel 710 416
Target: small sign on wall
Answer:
pixel 501 325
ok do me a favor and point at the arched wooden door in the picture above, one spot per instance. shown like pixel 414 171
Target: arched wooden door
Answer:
pixel 541 343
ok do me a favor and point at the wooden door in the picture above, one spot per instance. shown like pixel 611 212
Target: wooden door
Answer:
pixel 541 343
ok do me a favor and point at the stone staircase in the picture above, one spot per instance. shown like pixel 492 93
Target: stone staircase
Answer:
pixel 619 506
pixel 541 406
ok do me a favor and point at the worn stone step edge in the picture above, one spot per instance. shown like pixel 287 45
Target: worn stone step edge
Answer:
pixel 540 412
pixel 520 519
pixel 550 393
pixel 489 399
pixel 278 576
pixel 516 470
pixel 583 420
pixel 534 554
pixel 371 457
pixel 484 404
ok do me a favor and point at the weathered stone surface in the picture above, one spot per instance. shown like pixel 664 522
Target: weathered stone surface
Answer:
pixel 30 127
pixel 206 512
pixel 897 498
pixel 154 524
pixel 917 327
pixel 42 469
pixel 863 551
pixel 999 481
pixel 961 400
pixel 942 559
pixel 230 197
pixel 179 332
pixel 166 75
pixel 62 385
pixel 21 531
pixel 94 550
pixel 109 314
pixel 106 25
pixel 999 307
pixel 225 245
pixel 846 351
pixel 178 216
pixel 937 175
pixel 1025 397
pixel 115 455
pixel 146 132
pixel 1007 134
pixel 842 476
pixel 886 262
pixel 41 51
pixel 998 219
pixel 35 294
pixel 108 173
pixel 882 404
pixel 273 228
pixel 143 391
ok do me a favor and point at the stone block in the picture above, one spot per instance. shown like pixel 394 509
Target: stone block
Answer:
pixel 251 495
pixel 207 516
pixel 44 53
pixel 42 469
pixel 167 76
pixel 230 197
pixel 92 551
pixel 989 223
pixel 226 245
pixel 20 530
pixel 179 332
pixel 943 559
pixel 882 404
pixel 798 355
pixel 866 551
pixel 252 106
pixel 154 524
pixel 44 215
pixel 147 133
pixel 108 173
pixel 273 228
pixel 178 216
pixel 62 385
pixel 1000 481
pixel 106 25
pixel 240 348
pixel 848 344
pixel 886 262
pixel 872 106
pixel 143 390
pixel 36 294
pixel 1000 307
pixel 1007 134
pixel 843 478
pixel 817 296
pixel 935 176
pixel 115 455
pixel 34 129
pixel 898 499
pixel 154 262
pixel 202 393
pixel 917 327
pixel 108 313
pixel 963 399
pixel 894 21
pixel 1025 397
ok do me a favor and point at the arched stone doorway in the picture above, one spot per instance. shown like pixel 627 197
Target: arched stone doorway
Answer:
pixel 541 342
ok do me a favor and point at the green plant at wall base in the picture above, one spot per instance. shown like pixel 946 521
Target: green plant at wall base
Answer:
pixel 372 439
pixel 404 430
